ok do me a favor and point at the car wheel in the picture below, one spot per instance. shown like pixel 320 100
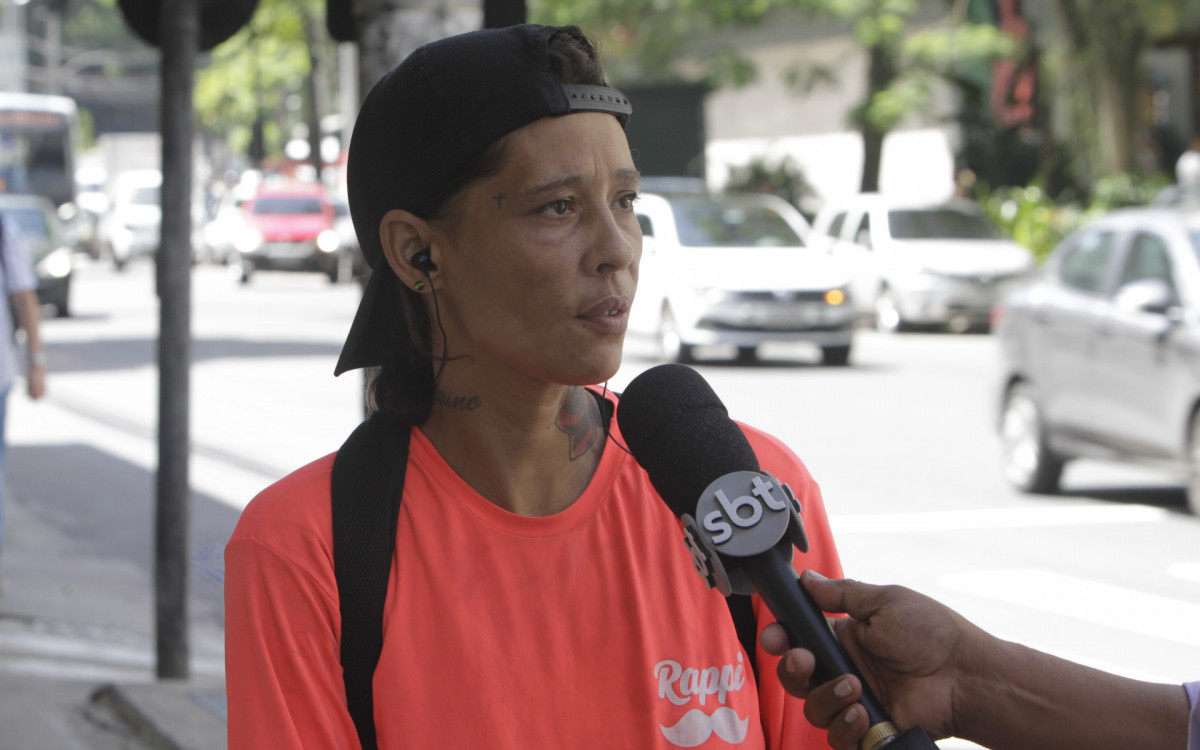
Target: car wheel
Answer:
pixel 747 355
pixel 1193 486
pixel 1029 464
pixel 835 356
pixel 670 343
pixel 887 315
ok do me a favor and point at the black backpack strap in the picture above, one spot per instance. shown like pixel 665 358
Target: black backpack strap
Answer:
pixel 741 609
pixel 367 484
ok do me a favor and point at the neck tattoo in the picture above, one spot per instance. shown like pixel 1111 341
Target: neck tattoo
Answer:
pixel 463 403
pixel 580 420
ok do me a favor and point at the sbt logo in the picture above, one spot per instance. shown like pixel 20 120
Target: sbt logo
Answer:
pixel 744 513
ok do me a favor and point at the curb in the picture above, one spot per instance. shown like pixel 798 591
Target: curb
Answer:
pixel 168 715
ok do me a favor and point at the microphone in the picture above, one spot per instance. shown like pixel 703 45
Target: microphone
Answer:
pixel 740 522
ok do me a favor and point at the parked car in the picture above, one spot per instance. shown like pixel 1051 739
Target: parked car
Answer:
pixel 132 228
pixel 1101 353
pixel 291 229
pixel 736 270
pixel 37 220
pixel 939 265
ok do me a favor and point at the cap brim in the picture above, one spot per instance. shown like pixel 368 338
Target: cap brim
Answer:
pixel 367 340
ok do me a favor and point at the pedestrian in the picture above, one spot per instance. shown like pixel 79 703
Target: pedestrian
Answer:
pixel 933 668
pixel 538 594
pixel 1187 168
pixel 20 285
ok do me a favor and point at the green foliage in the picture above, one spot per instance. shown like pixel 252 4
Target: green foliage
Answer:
pixel 1037 221
pixel 252 74
pixel 783 177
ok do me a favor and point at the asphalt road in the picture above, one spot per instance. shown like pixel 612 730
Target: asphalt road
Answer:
pixel 902 443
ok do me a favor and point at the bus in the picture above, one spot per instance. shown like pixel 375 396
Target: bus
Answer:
pixel 39 135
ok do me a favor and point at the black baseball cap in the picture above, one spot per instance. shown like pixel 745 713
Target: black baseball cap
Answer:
pixel 428 119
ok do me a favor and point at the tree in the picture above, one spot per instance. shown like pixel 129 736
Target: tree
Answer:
pixel 247 93
pixel 902 65
pixel 1099 66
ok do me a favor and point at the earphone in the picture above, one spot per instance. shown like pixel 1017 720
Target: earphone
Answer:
pixel 422 262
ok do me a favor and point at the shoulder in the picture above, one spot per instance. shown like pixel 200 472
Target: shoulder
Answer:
pixel 298 503
pixel 775 456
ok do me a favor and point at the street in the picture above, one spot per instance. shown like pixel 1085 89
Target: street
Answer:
pixel 902 442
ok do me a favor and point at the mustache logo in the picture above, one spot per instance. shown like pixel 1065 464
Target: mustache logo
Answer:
pixel 696 727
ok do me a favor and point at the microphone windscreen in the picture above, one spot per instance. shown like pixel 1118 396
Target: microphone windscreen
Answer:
pixel 679 431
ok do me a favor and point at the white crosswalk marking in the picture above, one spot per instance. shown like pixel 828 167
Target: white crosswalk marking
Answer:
pixel 995 518
pixel 1091 601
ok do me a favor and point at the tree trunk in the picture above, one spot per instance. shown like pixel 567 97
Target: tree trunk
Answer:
pixel 313 36
pixel 881 71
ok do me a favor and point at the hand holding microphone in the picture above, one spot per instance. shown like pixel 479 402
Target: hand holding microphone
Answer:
pixel 741 523
pixel 909 646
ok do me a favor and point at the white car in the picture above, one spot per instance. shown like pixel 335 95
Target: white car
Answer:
pixel 133 225
pixel 736 270
pixel 941 265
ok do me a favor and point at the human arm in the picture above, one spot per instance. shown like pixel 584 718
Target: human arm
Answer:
pixel 25 305
pixel 931 667
pixel 283 673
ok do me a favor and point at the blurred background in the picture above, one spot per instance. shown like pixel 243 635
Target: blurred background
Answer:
pixel 965 288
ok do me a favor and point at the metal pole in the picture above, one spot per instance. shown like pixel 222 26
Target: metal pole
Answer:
pixel 179 39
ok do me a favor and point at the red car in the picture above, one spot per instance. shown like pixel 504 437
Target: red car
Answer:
pixel 291 228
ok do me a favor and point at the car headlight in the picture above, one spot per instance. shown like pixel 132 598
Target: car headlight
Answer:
pixel 57 264
pixel 328 241
pixel 835 297
pixel 248 240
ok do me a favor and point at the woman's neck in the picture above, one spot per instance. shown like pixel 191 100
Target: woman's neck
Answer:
pixel 532 454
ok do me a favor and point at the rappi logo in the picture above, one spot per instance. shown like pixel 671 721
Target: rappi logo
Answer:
pixel 681 685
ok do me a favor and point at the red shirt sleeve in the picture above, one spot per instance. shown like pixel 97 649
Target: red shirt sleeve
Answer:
pixel 282 628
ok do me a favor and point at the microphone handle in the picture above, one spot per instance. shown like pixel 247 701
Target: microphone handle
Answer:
pixel 804 621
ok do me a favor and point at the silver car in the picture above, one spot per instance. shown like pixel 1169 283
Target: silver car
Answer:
pixel 1101 353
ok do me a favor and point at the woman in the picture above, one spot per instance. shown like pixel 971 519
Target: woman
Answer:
pixel 539 596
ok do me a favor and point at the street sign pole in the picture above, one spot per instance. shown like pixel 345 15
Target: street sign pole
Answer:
pixel 179 29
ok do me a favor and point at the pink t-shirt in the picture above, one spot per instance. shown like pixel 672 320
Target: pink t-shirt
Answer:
pixel 588 628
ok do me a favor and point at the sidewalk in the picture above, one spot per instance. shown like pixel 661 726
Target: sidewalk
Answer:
pixel 77 647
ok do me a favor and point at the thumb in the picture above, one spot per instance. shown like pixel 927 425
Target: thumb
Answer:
pixel 841 595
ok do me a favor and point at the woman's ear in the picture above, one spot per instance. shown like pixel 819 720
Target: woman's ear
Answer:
pixel 403 235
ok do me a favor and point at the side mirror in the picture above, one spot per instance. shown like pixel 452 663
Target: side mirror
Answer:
pixel 1146 295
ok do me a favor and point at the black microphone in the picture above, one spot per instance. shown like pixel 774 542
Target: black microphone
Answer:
pixel 740 522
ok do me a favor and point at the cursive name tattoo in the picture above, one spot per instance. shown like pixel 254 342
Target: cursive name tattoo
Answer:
pixel 579 419
pixel 462 403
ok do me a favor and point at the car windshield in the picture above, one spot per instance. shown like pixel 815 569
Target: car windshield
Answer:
pixel 939 224
pixel 144 196
pixel 31 222
pixel 712 224
pixel 287 206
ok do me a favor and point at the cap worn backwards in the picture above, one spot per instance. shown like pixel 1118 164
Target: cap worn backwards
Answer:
pixel 429 118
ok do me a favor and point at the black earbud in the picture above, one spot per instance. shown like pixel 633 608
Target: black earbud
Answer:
pixel 422 262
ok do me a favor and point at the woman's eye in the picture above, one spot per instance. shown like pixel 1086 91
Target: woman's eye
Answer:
pixel 628 200
pixel 559 207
